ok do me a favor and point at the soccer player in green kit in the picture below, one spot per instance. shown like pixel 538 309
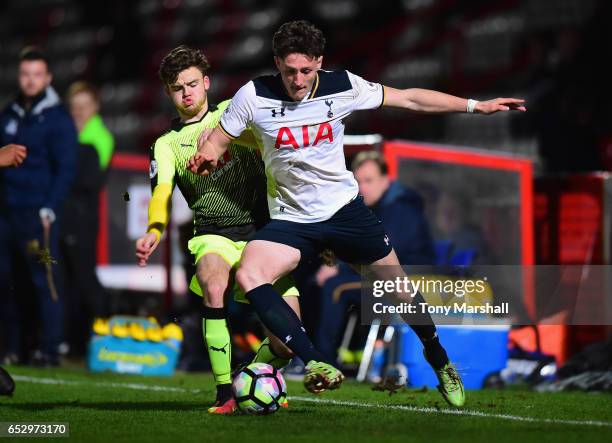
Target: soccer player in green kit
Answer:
pixel 229 206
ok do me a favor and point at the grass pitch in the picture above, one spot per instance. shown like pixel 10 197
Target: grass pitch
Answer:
pixel 117 408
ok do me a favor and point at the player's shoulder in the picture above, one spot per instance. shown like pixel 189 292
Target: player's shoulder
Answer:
pixel 164 140
pixel 333 82
pixel 222 106
pixel 166 135
pixel 213 115
pixel 269 86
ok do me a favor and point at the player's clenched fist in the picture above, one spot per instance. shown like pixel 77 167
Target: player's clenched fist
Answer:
pixel 201 163
pixel 145 246
pixel 12 155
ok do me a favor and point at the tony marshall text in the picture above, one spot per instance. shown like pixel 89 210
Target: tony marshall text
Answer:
pixel 455 308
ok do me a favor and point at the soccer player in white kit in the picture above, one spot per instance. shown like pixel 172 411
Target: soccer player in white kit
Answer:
pixel 297 116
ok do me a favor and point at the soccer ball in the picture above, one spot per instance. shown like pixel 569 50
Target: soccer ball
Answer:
pixel 259 389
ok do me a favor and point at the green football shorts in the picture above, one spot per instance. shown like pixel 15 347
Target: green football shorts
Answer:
pixel 230 251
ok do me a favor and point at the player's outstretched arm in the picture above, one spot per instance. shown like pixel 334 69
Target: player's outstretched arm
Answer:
pixel 204 161
pixel 435 102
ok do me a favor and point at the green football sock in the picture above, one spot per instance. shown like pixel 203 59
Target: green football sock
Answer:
pixel 266 355
pixel 218 343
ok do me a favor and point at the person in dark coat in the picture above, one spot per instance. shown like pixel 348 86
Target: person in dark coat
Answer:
pixel 10 156
pixel 31 198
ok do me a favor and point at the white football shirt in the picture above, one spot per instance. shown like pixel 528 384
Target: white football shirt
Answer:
pixel 303 147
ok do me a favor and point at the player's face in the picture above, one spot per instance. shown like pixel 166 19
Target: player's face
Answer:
pixel 34 77
pixel 299 72
pixel 83 106
pixel 188 92
pixel 372 183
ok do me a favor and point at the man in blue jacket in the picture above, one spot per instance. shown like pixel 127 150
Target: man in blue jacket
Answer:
pixel 30 198
pixel 401 211
pixel 10 156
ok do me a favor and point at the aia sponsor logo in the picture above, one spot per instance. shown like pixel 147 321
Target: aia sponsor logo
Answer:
pixel 288 138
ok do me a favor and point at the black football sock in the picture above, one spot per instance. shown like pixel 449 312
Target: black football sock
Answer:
pixel 422 324
pixel 279 318
pixel 224 392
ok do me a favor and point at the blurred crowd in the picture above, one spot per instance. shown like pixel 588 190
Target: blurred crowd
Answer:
pixel 549 51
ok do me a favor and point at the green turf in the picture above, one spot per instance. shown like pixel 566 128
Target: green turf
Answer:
pixel 100 408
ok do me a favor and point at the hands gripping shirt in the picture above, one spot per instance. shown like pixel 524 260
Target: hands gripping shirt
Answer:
pixel 303 142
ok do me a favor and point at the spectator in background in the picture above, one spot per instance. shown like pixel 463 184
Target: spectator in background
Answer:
pixel 84 103
pixel 31 198
pixel 85 296
pixel 401 211
pixel 10 155
pixel 466 242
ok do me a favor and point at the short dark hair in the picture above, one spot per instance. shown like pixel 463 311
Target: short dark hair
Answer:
pixel 33 53
pixel 300 37
pixel 367 156
pixel 181 58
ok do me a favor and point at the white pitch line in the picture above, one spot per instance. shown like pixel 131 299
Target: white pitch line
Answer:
pixel 424 410
pixel 466 412
pixel 136 386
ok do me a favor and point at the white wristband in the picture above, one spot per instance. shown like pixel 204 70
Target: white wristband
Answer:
pixel 471 104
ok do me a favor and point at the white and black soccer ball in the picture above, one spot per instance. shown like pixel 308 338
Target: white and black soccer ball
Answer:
pixel 259 389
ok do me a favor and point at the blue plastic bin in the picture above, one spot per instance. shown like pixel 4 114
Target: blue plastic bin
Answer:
pixel 476 351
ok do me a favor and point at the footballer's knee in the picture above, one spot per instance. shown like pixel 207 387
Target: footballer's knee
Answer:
pixel 214 292
pixel 249 278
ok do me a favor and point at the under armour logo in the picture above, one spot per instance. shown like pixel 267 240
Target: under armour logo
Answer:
pixel 281 112
pixel 329 103
pixel 212 348
pixel 386 240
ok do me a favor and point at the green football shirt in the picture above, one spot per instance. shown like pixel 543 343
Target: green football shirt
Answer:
pixel 231 201
pixel 95 133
